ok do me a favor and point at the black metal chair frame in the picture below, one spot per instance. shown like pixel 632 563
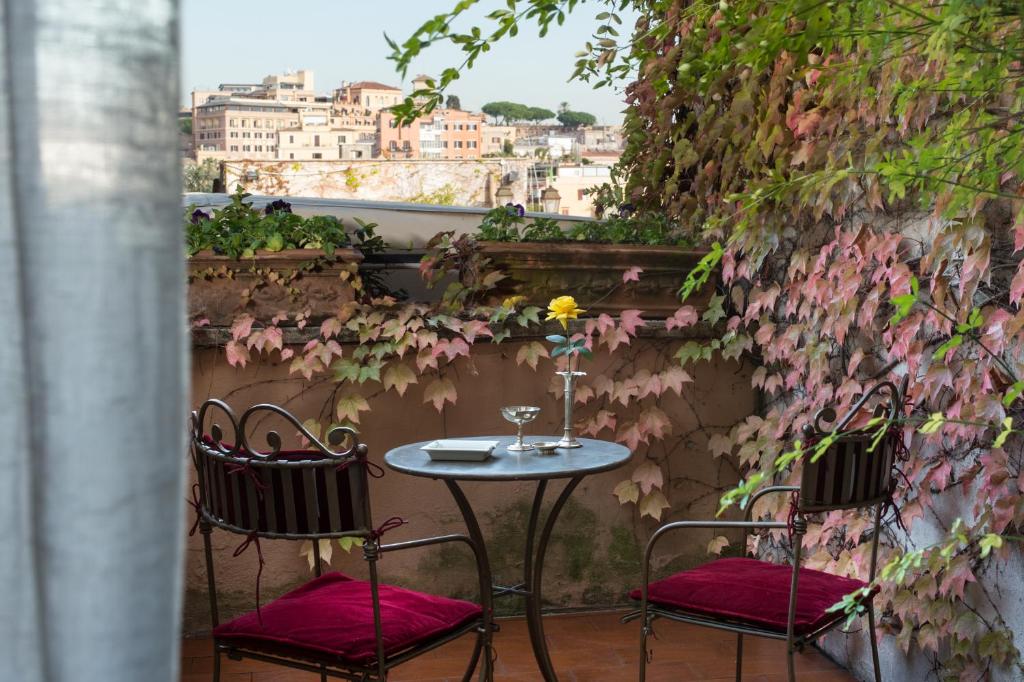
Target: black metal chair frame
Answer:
pixel 211 448
pixel 807 503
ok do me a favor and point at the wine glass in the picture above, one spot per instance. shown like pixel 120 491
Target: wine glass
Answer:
pixel 519 415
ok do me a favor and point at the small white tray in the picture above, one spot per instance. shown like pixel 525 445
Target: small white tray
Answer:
pixel 460 450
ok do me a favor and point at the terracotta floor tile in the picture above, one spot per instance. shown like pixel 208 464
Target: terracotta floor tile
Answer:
pixel 591 647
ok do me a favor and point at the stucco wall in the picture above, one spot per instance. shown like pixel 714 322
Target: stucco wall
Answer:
pixel 595 552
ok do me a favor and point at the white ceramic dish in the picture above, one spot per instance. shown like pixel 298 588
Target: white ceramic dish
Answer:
pixel 454 450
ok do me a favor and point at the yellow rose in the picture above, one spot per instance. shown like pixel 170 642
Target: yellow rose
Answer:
pixel 563 309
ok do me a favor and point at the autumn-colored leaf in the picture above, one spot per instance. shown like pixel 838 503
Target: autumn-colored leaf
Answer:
pixel 530 353
pixel 330 327
pixel 652 505
pixel 398 376
pixel 632 274
pixel 648 476
pixel 683 317
pixel 349 406
pixel 673 378
pixel 439 391
pixel 626 491
pixel 242 327
pixel 237 354
pixel 717 544
pixel 629 320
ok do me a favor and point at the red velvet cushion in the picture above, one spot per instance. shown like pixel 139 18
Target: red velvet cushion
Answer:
pixel 753 592
pixel 333 614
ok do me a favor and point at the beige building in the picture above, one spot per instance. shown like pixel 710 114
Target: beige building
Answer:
pixel 494 138
pixel 367 95
pixel 290 87
pixel 572 182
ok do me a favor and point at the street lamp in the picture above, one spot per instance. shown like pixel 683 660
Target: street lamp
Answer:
pixel 550 199
pixel 503 195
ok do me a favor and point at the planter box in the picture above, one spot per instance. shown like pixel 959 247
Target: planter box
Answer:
pixel 219 285
pixel 592 273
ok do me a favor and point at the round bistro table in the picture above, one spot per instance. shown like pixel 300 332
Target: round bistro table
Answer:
pixel 573 464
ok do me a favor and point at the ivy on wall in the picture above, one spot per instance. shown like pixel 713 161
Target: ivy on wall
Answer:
pixel 860 165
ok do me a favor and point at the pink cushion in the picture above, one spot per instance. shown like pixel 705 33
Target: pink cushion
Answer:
pixel 333 614
pixel 753 592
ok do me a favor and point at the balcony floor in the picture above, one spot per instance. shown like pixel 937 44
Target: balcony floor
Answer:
pixel 587 647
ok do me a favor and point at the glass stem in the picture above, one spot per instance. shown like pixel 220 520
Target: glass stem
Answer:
pixel 519 440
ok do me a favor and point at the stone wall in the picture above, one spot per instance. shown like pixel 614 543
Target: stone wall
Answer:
pixel 453 183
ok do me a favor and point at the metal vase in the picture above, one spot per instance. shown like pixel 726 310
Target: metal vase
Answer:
pixel 568 437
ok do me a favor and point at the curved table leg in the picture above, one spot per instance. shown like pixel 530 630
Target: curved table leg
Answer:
pixel 486 583
pixel 533 570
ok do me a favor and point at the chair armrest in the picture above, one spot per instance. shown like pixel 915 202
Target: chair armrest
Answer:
pixel 483 576
pixel 424 542
pixel 764 491
pixel 680 525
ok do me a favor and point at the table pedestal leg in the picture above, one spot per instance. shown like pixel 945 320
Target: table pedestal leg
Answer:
pixel 533 568
pixel 486 583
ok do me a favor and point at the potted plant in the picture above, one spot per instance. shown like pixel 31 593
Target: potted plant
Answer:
pixel 242 259
pixel 624 261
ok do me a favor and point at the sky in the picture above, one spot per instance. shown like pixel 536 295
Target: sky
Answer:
pixel 225 41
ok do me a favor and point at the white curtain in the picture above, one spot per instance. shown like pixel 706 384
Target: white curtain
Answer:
pixel 92 341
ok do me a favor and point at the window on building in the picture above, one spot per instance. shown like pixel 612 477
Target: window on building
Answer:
pixel 445 144
pixel 318 155
pixel 580 193
pixel 233 134
pixel 472 144
pixel 257 124
pixel 291 156
pixel 259 147
pixel 245 123
pixel 291 139
pixel 246 148
pixel 357 154
pixel 233 122
pixel 316 140
pixel 406 146
pixel 234 147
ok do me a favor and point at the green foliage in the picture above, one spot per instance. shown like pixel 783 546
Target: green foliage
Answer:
pixel 185 125
pixel 443 196
pixel 503 224
pixel 510 112
pixel 576 119
pixel 238 230
pixel 199 177
pixel 453 102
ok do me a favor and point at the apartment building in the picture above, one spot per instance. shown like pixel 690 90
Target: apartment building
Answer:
pixel 494 138
pixel 289 87
pixel 318 137
pixel 232 127
pixel 367 95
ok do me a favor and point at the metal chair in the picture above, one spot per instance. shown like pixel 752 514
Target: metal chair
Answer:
pixel 849 475
pixel 333 625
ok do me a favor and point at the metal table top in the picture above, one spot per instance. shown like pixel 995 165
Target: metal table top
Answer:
pixel 594 457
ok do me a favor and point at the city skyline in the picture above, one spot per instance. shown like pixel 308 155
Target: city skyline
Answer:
pixel 526 69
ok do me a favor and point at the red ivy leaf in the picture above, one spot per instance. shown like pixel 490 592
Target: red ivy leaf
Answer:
pixel 632 274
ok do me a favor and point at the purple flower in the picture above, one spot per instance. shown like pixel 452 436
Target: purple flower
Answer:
pixel 199 216
pixel 515 209
pixel 278 205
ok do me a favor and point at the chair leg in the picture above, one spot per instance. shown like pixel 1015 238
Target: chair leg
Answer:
pixel 645 629
pixel 474 659
pixel 216 664
pixel 739 656
pixel 874 643
pixel 791 663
